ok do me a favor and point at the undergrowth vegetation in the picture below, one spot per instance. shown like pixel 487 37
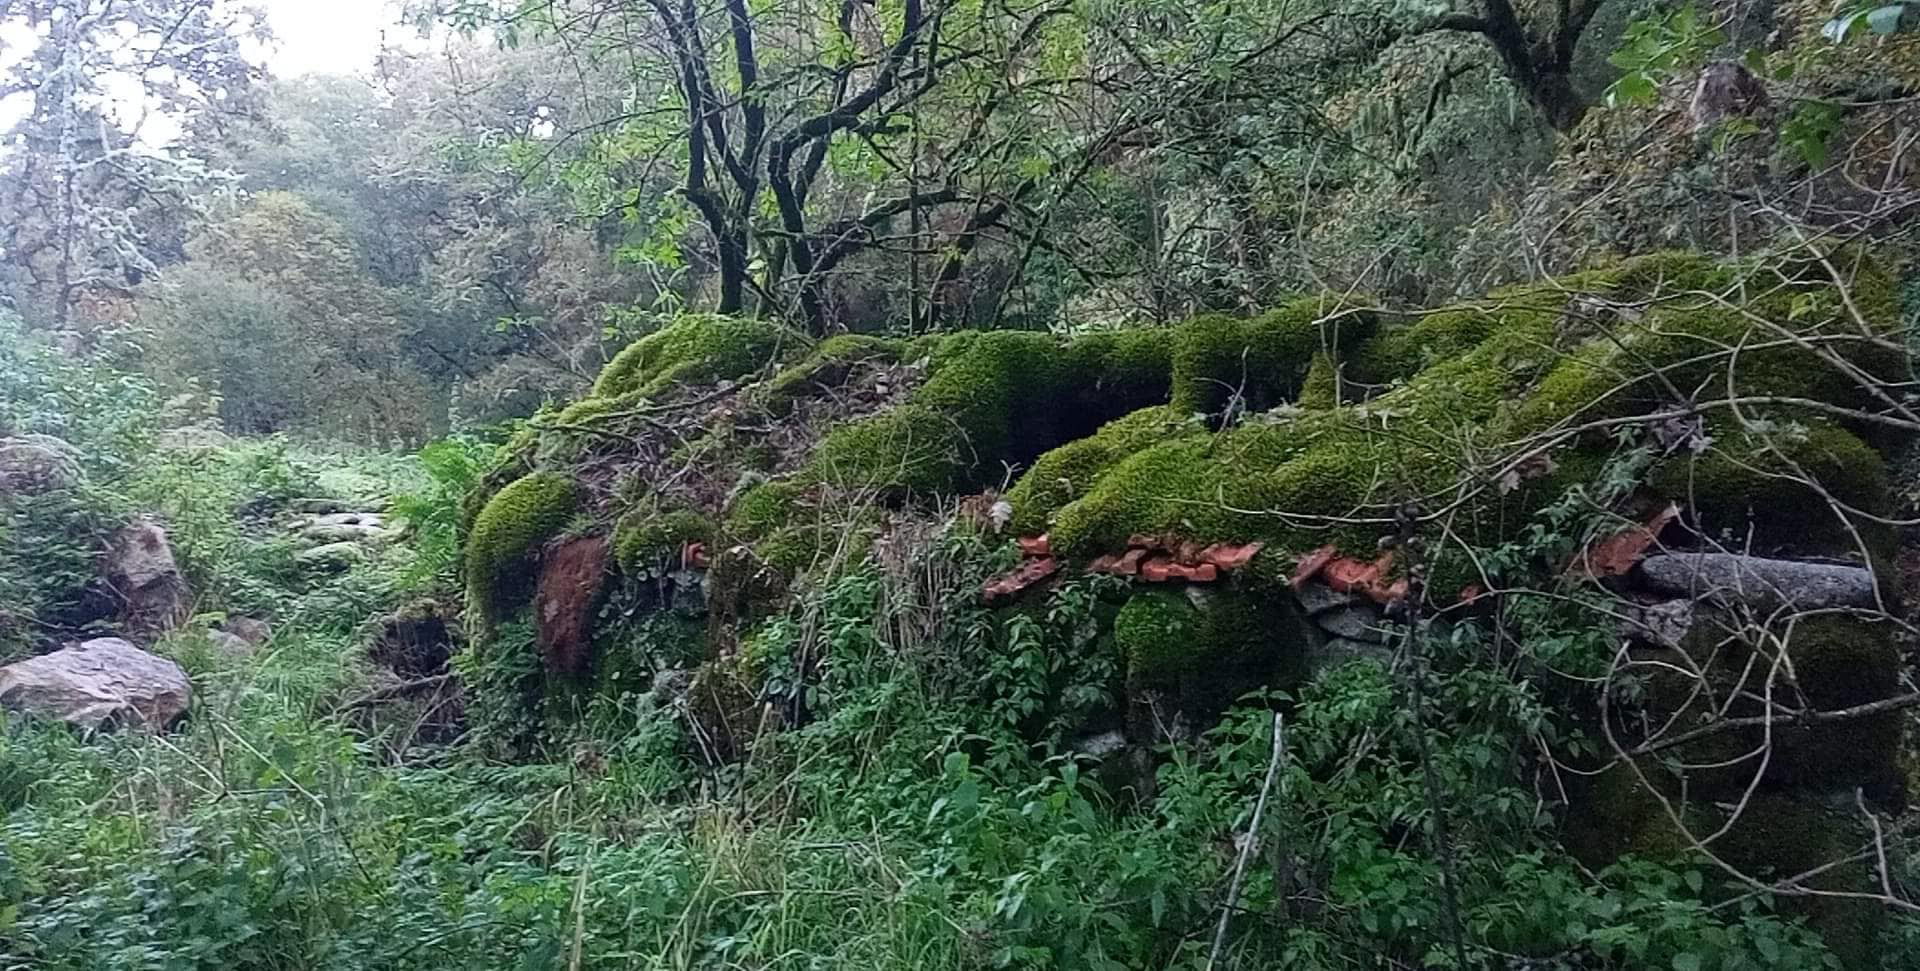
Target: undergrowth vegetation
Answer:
pixel 929 812
pixel 1070 486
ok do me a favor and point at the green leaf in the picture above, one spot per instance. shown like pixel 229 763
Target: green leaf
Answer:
pixel 1686 962
pixel 1840 29
pixel 1634 88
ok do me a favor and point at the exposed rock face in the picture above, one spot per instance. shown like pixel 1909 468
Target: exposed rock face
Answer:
pixel 572 576
pixel 140 570
pixel 36 464
pixel 97 685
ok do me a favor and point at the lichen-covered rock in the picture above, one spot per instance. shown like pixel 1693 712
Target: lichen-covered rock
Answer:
pixel 1759 584
pixel 332 557
pixel 140 570
pixel 97 685
pixel 36 464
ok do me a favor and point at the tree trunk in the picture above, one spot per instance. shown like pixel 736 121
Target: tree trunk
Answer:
pixel 1553 93
pixel 733 272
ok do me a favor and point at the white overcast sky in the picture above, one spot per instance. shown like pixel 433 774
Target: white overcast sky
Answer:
pixel 310 37
pixel 328 36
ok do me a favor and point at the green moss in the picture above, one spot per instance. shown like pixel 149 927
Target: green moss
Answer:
pixel 1263 360
pixel 764 508
pixel 1132 366
pixel 1840 662
pixel 694 348
pixel 1744 485
pixel 1618 812
pixel 1778 836
pixel 645 538
pixel 829 363
pixel 1157 631
pixel 1000 398
pixel 588 410
pixel 994 398
pixel 1067 472
pixel 1297 483
pixel 1321 390
pixel 779 521
pixel 1207 646
pixel 1399 353
pixel 508 530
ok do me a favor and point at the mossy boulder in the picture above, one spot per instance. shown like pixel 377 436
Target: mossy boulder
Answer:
pixel 1261 361
pixel 646 538
pixel 1000 399
pixel 1474 379
pixel 1068 472
pixel 508 531
pixel 696 348
pixel 1206 646
pixel 1782 836
pixel 1809 489
pixel 1727 665
pixel 1841 662
pixel 829 364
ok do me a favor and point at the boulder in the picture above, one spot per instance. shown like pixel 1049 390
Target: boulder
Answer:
pixel 228 644
pixel 1758 583
pixel 1338 651
pixel 1317 598
pixel 37 464
pixel 99 684
pixel 1357 623
pixel 345 527
pixel 192 438
pixel 332 556
pixel 1664 624
pixel 320 506
pixel 140 570
pixel 252 630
